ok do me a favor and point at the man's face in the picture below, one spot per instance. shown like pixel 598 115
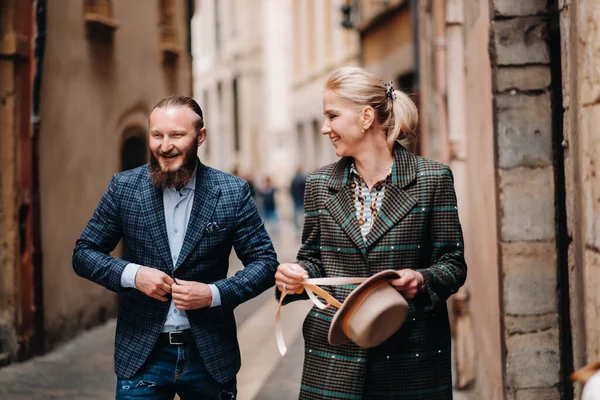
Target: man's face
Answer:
pixel 172 136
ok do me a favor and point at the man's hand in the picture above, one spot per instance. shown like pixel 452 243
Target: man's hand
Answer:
pixel 409 282
pixel 153 283
pixel 188 295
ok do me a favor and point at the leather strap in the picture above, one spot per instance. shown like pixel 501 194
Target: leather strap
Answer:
pixel 311 287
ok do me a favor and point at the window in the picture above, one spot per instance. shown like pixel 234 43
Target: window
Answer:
pixel 99 20
pixel 301 142
pixel 168 32
pixel 217 25
pixel 236 115
pixel 318 142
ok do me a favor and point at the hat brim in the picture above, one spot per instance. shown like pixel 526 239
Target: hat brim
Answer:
pixel 336 333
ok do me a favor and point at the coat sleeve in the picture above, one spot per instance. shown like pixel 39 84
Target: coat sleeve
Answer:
pixel 447 271
pixel 309 255
pixel 91 258
pixel 255 250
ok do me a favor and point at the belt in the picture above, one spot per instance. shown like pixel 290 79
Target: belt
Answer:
pixel 176 338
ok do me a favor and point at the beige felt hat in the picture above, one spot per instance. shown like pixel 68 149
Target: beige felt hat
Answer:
pixel 372 313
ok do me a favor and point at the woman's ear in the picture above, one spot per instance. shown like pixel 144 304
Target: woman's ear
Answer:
pixel 367 116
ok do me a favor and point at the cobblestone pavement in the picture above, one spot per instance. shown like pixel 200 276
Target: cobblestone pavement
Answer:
pixel 82 369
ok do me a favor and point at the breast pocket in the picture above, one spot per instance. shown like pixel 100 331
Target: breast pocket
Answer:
pixel 216 240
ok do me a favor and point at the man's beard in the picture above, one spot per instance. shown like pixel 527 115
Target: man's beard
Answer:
pixel 173 179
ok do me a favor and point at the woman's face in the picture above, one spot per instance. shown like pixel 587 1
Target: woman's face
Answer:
pixel 341 124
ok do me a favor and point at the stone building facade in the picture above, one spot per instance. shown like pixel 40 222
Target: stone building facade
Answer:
pixel 320 45
pixel 259 70
pixel 580 55
pixel 242 75
pixel 95 69
pixel 509 98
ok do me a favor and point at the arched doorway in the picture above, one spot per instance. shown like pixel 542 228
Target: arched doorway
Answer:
pixel 134 150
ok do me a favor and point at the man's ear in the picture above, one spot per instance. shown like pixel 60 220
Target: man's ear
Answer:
pixel 201 137
pixel 367 117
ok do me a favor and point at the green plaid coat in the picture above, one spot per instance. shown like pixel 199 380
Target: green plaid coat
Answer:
pixel 417 228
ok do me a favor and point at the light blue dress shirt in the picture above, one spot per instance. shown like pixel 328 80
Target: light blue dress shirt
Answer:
pixel 178 208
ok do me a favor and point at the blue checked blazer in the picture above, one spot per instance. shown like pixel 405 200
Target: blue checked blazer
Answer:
pixel 223 216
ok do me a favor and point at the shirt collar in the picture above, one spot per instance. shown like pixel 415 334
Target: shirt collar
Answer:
pixel 355 173
pixel 191 185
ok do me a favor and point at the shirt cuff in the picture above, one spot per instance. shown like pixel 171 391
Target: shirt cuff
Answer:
pixel 216 296
pixel 128 275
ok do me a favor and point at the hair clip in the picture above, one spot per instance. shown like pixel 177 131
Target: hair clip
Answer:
pixel 389 91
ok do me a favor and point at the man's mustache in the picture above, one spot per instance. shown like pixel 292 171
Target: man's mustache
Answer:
pixel 172 153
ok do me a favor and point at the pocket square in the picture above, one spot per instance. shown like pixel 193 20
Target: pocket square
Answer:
pixel 211 227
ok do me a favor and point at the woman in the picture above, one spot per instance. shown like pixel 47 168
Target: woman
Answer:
pixel 379 207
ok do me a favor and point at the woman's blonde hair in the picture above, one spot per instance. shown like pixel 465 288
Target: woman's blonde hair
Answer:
pixel 395 112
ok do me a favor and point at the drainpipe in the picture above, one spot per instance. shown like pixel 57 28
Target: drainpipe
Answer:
pixel 562 235
pixel 39 50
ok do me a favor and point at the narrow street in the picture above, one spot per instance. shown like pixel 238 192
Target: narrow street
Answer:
pixel 82 369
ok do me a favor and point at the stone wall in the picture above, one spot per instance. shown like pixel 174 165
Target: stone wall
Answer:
pixel 520 58
pixel 482 229
pixel 580 45
pixel 93 92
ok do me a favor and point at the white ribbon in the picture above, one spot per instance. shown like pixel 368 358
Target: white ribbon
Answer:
pixel 312 286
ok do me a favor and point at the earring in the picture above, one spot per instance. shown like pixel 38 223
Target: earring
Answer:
pixel 362 130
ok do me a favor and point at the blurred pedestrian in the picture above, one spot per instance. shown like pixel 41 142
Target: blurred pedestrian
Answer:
pixel 297 188
pixel 248 177
pixel 178 219
pixel 379 207
pixel 269 206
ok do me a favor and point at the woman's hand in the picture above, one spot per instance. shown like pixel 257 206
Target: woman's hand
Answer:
pixel 289 277
pixel 409 284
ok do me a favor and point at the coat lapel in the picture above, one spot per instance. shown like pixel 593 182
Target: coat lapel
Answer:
pixel 397 202
pixel 341 206
pixel 206 197
pixel 151 199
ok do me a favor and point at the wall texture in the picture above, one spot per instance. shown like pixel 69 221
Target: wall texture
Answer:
pixel 580 46
pixel 9 182
pixel 92 92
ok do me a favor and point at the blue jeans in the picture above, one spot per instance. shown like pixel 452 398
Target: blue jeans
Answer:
pixel 174 369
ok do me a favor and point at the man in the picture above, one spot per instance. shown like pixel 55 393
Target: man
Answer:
pixel 178 219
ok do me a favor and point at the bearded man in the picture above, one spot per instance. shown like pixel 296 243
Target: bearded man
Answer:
pixel 179 220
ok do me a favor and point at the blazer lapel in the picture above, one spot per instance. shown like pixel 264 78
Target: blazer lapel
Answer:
pixel 341 206
pixel 397 202
pixel 206 197
pixel 151 199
